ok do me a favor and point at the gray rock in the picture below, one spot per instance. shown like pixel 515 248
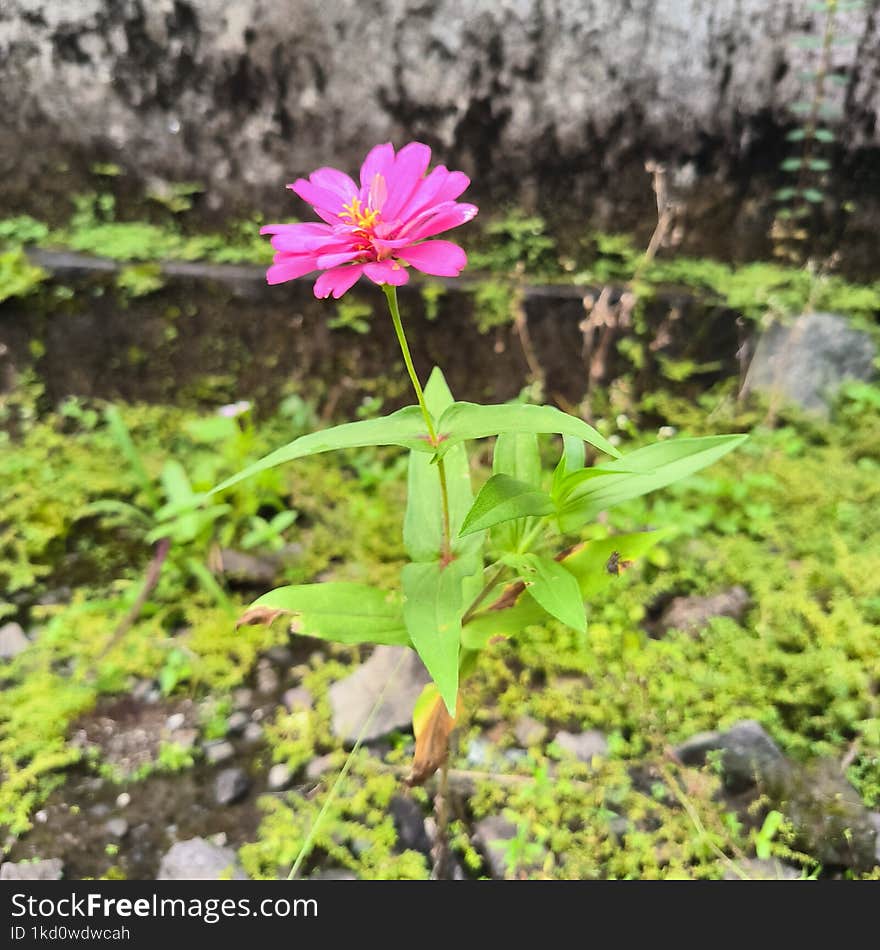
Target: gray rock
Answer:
pixel 279 777
pixel 117 827
pixel 692 614
pixel 317 767
pixel 297 698
pixel 334 874
pixel 243 698
pixel 199 860
pixel 830 820
pixel 529 731
pixel 807 361
pixel 175 721
pixel 249 568
pixel 219 751
pixel 280 656
pixel 12 641
pixel 231 786
pixel 409 821
pixel 757 869
pixel 185 738
pixel 253 732
pixel 352 698
pixel 50 869
pixel 123 800
pixel 237 722
pixel 748 755
pixel 491 836
pixel 583 745
pixel 268 682
pixel 875 821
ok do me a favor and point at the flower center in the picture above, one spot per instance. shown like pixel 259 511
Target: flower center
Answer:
pixel 364 218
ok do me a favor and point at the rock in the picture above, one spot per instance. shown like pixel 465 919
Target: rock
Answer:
pixel 491 836
pixel 237 722
pixel 175 721
pixel 529 731
pixel 267 679
pixel 185 738
pixel 409 821
pixel 583 745
pixel 50 869
pixel 281 656
pixel 249 568
pixel 748 755
pixel 199 860
pixel 352 698
pixel 116 827
pixel 317 767
pixel 219 751
pixel 297 698
pixel 123 800
pixel 279 777
pixel 691 614
pixel 12 641
pixel 875 821
pixel 253 732
pixel 479 753
pixel 830 820
pixel 231 786
pixel 334 874
pixel 243 698
pixel 807 361
pixel 761 870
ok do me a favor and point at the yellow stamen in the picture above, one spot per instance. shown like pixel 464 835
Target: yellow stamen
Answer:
pixel 361 217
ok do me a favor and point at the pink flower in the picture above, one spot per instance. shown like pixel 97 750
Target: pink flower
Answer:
pixel 378 228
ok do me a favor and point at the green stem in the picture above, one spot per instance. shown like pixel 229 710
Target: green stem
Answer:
pixel 391 295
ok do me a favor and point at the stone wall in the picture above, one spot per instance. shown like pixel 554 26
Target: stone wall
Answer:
pixel 526 94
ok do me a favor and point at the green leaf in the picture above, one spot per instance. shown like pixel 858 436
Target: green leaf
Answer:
pixel 406 428
pixel 341 611
pixel 812 195
pixel 502 499
pixel 796 135
pixel 466 420
pixel 571 460
pixel 819 164
pixel 791 165
pixel 785 194
pixel 432 611
pixel 516 455
pixel 643 471
pixel 423 520
pixel 823 135
pixel 588 563
pixel 552 586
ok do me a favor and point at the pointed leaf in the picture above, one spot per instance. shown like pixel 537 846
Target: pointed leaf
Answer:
pixel 553 587
pixel 643 471
pixel 588 563
pixel 502 499
pixel 467 420
pixel 432 610
pixel 406 428
pixel 338 610
pixel 516 454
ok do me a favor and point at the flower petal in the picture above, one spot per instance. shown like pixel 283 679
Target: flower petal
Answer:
pixel 379 161
pixel 331 179
pixel 328 204
pixel 337 281
pixel 386 272
pixel 410 166
pixel 441 218
pixel 299 228
pixel 334 260
pixel 290 267
pixel 440 258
